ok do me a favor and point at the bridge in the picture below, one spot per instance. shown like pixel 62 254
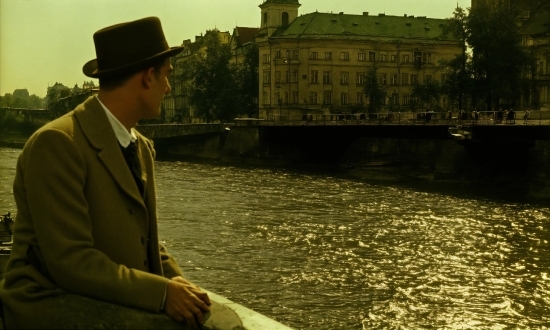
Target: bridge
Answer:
pixel 387 124
pixel 487 118
pixel 161 131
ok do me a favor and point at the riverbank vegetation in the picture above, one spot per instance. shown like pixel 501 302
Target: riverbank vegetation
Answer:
pixel 221 90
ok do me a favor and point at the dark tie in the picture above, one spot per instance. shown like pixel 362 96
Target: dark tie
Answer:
pixel 132 159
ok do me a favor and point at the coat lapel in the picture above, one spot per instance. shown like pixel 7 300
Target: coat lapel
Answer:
pixel 97 129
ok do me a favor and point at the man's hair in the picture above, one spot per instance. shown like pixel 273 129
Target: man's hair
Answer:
pixel 117 80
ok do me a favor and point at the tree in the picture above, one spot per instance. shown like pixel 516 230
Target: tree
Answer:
pixel 458 76
pixel 498 58
pixel 374 90
pixel 212 91
pixel 7 100
pixel 247 82
pixel 427 92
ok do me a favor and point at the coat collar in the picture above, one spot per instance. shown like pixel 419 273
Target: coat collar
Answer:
pixel 99 133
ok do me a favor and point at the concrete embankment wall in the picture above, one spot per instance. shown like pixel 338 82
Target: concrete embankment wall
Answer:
pixel 517 160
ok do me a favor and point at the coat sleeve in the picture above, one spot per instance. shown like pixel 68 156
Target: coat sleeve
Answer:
pixel 54 176
pixel 169 265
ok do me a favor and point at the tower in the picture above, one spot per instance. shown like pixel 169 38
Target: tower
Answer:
pixel 277 13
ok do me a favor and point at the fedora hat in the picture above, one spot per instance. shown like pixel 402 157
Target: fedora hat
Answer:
pixel 125 47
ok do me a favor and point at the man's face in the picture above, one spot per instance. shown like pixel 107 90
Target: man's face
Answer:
pixel 160 86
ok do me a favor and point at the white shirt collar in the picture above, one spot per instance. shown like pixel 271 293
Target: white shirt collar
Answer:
pixel 124 137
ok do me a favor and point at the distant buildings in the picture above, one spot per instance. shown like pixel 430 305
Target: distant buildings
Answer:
pixel 21 93
pixel 61 99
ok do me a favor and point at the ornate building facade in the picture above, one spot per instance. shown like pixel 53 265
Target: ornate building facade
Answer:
pixel 318 62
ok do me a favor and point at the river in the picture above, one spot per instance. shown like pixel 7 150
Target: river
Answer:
pixel 315 251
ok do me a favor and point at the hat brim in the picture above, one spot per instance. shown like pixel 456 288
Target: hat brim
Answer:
pixel 91 69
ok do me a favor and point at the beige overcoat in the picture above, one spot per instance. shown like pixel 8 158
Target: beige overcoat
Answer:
pixel 80 212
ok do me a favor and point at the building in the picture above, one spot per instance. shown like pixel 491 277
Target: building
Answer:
pixel 317 62
pixel 241 39
pixel 21 93
pixel 176 106
pixel 534 23
pixel 536 35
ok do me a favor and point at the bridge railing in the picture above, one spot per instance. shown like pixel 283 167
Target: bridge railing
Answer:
pixel 156 131
pixel 541 117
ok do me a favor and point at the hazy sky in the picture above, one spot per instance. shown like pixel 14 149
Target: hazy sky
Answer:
pixel 48 41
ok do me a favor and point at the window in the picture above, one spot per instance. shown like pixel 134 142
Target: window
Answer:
pixel 427 58
pixel 313 56
pixel 278 98
pixel 344 98
pixel 382 78
pixel 265 19
pixel 284 18
pixel 383 57
pixel 414 79
pixel 405 58
pixel 372 56
pixel 417 58
pixel 344 77
pixel 404 79
pixel 362 57
pixel 344 56
pixel 393 79
pixel 394 99
pixel 328 56
pixel 326 77
pixel 267 58
pixel 287 77
pixel 267 77
pixel 360 99
pixel 314 76
pixel 405 99
pixel 277 77
pixel 360 78
pixel 327 97
pixel 313 98
pixel 428 79
pixel 294 97
pixel 294 54
pixel 294 76
pixel 393 58
pixel 278 53
pixel 288 53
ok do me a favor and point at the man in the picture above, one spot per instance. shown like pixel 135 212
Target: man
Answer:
pixel 86 222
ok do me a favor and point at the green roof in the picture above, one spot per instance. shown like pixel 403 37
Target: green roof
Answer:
pixel 325 25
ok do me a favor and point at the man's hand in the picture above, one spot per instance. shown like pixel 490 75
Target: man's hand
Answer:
pixel 186 302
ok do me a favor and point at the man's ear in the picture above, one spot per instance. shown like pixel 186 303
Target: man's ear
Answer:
pixel 147 77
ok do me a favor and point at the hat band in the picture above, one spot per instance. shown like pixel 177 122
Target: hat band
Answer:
pixel 146 52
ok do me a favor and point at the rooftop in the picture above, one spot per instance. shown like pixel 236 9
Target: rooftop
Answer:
pixel 329 25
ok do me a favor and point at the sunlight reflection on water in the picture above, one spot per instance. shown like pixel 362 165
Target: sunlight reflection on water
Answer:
pixel 322 252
